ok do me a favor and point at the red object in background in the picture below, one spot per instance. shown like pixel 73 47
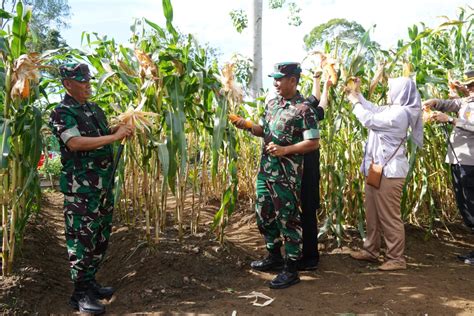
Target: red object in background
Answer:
pixel 42 159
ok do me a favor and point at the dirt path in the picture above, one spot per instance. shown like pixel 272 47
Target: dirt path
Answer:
pixel 197 276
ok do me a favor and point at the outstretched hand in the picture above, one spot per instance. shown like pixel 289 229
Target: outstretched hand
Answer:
pixel 240 122
pixel 429 104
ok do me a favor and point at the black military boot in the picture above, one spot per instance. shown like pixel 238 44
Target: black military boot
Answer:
pixel 287 277
pixel 102 292
pixel 84 300
pixel 307 264
pixel 466 256
pixel 274 261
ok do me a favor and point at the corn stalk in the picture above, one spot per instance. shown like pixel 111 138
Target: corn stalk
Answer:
pixel 20 137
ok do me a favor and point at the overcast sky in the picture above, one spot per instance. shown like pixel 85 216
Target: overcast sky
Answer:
pixel 210 22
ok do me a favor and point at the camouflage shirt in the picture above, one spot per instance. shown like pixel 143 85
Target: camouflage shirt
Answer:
pixel 83 171
pixel 286 122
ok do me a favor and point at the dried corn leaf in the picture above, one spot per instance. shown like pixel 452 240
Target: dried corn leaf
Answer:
pixel 258 295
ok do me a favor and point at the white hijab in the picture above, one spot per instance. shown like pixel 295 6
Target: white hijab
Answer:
pixel 402 91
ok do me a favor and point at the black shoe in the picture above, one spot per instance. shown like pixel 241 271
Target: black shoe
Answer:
pixel 307 264
pixel 287 277
pixel 85 302
pixel 270 263
pixel 466 256
pixel 101 292
pixel 469 261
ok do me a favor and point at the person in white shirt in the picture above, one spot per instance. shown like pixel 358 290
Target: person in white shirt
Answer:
pixel 460 148
pixel 388 126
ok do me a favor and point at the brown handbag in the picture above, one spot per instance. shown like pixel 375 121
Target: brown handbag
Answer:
pixel 374 176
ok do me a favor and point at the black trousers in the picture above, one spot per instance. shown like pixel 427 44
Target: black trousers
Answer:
pixel 463 182
pixel 310 204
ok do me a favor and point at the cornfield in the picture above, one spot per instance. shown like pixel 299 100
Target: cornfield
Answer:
pixel 188 151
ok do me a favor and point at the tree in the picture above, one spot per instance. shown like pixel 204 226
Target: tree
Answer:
pixel 48 18
pixel 51 40
pixel 256 83
pixel 345 31
pixel 240 21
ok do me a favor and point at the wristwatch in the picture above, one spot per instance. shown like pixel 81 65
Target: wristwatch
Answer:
pixel 450 120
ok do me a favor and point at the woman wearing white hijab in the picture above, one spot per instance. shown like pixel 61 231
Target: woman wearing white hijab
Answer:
pixel 388 126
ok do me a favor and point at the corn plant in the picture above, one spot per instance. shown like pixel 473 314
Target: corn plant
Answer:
pixel 427 56
pixel 20 124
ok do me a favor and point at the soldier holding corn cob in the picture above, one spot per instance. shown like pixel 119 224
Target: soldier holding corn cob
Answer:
pixel 289 130
pixel 86 155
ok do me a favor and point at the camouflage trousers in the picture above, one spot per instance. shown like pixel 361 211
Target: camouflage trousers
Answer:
pixel 278 217
pixel 88 226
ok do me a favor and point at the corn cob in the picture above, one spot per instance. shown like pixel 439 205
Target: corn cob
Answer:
pixel 377 77
pixel 428 115
pixel 327 64
pixel 234 118
pixel 25 70
pixel 147 66
pixel 351 86
pixel 407 69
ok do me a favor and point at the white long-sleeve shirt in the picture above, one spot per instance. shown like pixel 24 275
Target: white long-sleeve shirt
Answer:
pixel 387 126
pixel 462 137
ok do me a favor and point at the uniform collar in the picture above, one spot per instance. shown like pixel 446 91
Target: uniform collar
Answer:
pixel 70 101
pixel 296 99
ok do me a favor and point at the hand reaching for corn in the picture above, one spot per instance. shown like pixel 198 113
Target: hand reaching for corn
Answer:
pixel 122 131
pixel 352 86
pixel 240 122
pixel 133 118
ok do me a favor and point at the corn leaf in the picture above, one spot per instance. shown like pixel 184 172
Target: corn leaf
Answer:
pixel 157 28
pixel 168 11
pixel 5 15
pixel 5 146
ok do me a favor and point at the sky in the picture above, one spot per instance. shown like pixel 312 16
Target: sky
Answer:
pixel 209 22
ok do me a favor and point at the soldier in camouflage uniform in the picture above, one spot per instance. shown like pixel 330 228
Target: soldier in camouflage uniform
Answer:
pixel 86 155
pixel 289 129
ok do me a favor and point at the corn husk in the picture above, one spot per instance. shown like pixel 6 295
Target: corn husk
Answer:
pixel 127 69
pixel 147 66
pixel 326 64
pixel 407 69
pixel 379 74
pixel 454 92
pixel 179 66
pixel 351 86
pixel 25 72
pixel 231 89
pixel 428 115
pixel 136 118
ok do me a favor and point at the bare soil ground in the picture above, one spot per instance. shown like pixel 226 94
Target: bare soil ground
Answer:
pixel 198 277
